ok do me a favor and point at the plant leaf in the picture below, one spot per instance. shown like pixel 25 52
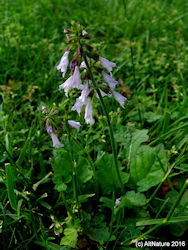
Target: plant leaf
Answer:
pixel 10 184
pixel 70 238
pixel 132 199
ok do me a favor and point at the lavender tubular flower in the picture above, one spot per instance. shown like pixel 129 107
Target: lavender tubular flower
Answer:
pixel 82 99
pixel 56 142
pixel 63 63
pixel 83 65
pixel 111 81
pixel 77 106
pixel 89 113
pixel 107 64
pixel 119 98
pixel 103 94
pixel 85 93
pixel 74 124
pixel 67 85
pixel 76 81
pixel 49 128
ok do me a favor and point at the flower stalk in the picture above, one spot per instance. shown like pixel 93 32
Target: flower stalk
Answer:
pixel 114 149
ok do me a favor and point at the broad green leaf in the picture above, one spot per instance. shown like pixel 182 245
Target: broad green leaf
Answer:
pixel 84 171
pixel 148 167
pixel 137 139
pixel 131 140
pixel 62 166
pixel 98 230
pixel 10 184
pixel 107 174
pixel 100 234
pixel 132 199
pixel 70 238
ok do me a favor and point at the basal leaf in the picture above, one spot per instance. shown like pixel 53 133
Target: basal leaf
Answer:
pixel 84 171
pixel 148 167
pixel 106 173
pixel 132 199
pixel 62 166
pixel 98 230
pixel 70 238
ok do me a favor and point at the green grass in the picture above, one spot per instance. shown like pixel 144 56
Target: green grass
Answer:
pixel 148 40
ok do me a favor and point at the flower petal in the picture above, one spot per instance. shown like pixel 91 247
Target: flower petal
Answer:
pixel 76 81
pixel 89 113
pixel 56 142
pixel 74 124
pixel 107 64
pixel 77 106
pixel 119 98
pixel 49 128
pixel 111 81
pixel 67 85
pixel 63 63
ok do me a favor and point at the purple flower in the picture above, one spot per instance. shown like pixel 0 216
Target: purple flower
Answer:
pixel 85 93
pixel 72 65
pixel 44 109
pixel 82 99
pixel 84 32
pixel 49 128
pixel 111 81
pixel 117 202
pixel 76 81
pixel 74 124
pixel 56 142
pixel 103 94
pixel 83 65
pixel 63 63
pixel 67 85
pixel 119 98
pixel 77 106
pixel 89 113
pixel 107 64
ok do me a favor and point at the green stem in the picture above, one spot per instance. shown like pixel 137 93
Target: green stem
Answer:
pixel 74 179
pixel 114 150
pixel 67 207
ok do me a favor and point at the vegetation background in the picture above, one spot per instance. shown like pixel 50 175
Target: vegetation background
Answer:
pixel 148 41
